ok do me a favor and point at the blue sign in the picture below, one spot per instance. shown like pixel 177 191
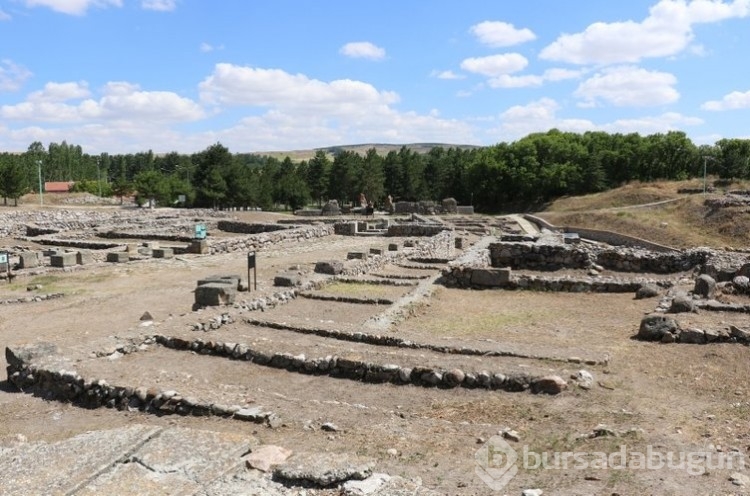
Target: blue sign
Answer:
pixel 200 231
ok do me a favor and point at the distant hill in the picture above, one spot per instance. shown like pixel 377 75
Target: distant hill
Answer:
pixel 381 148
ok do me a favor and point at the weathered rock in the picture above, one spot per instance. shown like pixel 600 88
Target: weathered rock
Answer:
pixel 118 256
pixel 583 379
pixel 266 456
pixel 692 335
pixel 330 267
pixel 647 291
pixel 63 260
pixel 705 286
pixel 682 304
pixel 19 355
pixel 551 384
pixel 454 377
pixel 28 260
pixel 323 469
pixel 213 294
pixel 741 283
pixel 490 277
pixel 739 333
pixel 287 279
pixel 653 327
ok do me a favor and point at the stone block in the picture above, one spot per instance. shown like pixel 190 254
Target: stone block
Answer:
pixel 198 247
pixel 229 280
pixel 84 257
pixel 29 260
pixel 491 278
pixel 118 256
pixel 393 247
pixel 356 255
pixel 376 251
pixel 330 267
pixel 287 279
pixel 63 260
pixel 459 243
pixel 162 252
pixel 214 294
pixel 465 210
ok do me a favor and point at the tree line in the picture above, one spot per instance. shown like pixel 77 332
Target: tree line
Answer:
pixel 517 175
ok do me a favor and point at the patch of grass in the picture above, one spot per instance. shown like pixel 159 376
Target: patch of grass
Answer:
pixel 359 290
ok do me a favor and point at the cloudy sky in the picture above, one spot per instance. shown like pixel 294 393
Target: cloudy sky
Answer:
pixel 125 76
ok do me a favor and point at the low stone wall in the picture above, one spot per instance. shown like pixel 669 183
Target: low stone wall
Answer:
pixel 617 239
pixel 533 256
pixel 406 230
pixel 74 243
pixel 233 226
pixel 263 240
pixel 551 257
pixel 150 235
pixel 359 370
pixel 32 298
pixel 39 369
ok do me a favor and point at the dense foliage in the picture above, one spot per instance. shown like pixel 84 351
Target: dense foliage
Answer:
pixel 530 171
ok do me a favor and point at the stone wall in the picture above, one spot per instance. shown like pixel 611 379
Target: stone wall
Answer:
pixel 248 228
pixel 550 257
pixel 263 240
pixel 405 230
pixel 617 239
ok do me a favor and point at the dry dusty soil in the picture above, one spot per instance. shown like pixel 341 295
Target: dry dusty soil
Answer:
pixel 648 398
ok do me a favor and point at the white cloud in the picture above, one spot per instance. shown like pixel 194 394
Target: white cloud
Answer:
pixel 12 75
pixel 732 101
pixel 303 112
pixel 447 75
pixel 60 92
pixel 507 81
pixel 669 121
pixel 73 7
pixel 362 50
pixel 628 86
pixel 70 103
pixel 495 65
pixel 537 116
pixel 666 31
pixel 4 16
pixel 542 115
pixel 239 85
pixel 500 34
pixel 207 47
pixel 159 5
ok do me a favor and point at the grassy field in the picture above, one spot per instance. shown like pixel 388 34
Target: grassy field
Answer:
pixel 657 212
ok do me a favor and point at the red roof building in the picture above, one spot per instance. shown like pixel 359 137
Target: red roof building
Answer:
pixel 58 186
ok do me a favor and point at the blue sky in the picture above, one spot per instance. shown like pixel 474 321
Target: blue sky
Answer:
pixel 124 76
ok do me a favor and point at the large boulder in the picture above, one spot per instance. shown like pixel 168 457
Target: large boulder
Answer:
pixel 705 286
pixel 653 327
pixel 214 294
pixel 19 355
pixel 330 267
pixel 551 384
pixel 647 291
pixel 682 304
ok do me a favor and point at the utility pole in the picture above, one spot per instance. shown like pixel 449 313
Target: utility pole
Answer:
pixel 41 187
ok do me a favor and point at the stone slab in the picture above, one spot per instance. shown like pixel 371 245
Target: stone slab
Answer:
pixel 118 257
pixel 84 257
pixel 28 260
pixel 493 278
pixel 62 468
pixel 162 252
pixel 63 260
pixel 214 294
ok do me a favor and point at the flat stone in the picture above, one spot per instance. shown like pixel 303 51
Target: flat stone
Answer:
pixel 366 487
pixel 323 469
pixel 551 384
pixel 330 267
pixel 692 335
pixel 63 260
pixel 654 326
pixel 23 354
pixel 63 467
pixel 266 456
pixel 490 277
pixel 287 279
pixel 118 256
pixel 213 294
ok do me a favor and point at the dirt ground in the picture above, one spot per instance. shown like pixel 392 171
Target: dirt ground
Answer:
pixel 666 398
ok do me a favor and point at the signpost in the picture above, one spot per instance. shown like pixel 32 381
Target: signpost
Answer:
pixel 251 265
pixel 5 264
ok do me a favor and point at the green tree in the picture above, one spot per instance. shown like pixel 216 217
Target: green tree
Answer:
pixel 318 169
pixel 371 180
pixel 13 183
